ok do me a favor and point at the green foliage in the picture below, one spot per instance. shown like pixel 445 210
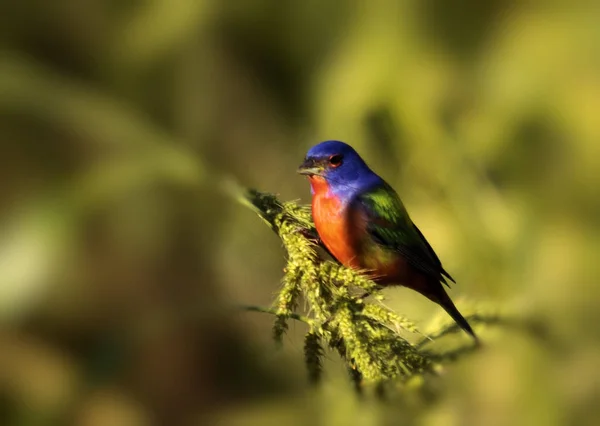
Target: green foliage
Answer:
pixel 313 353
pixel 366 335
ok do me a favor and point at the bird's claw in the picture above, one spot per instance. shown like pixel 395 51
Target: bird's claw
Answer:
pixel 309 234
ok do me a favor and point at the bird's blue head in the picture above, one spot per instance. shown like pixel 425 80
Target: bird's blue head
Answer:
pixel 336 167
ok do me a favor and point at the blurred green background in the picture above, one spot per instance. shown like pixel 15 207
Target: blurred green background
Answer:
pixel 121 260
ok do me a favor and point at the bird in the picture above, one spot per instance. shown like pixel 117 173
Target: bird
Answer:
pixel 363 224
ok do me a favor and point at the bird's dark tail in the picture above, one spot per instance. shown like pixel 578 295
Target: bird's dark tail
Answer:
pixel 432 289
pixel 445 302
pixel 459 319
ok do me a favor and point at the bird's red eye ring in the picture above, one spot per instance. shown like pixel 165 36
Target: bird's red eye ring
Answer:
pixel 335 160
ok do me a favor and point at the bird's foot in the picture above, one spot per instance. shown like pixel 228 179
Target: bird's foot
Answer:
pixel 364 295
pixel 309 234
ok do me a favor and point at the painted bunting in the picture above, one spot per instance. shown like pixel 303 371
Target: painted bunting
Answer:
pixel 362 222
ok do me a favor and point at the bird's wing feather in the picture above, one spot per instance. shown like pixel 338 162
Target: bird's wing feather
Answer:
pixel 434 256
pixel 389 224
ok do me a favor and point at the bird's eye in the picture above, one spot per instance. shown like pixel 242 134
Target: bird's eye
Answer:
pixel 335 160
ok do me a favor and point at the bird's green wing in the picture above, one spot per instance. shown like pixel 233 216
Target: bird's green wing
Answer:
pixel 389 225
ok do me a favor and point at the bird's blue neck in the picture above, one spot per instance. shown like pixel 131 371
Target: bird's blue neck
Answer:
pixel 348 189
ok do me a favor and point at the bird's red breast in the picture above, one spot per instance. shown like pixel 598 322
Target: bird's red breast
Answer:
pixel 333 224
pixel 343 231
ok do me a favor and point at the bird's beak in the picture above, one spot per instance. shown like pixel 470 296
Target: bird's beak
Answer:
pixel 310 168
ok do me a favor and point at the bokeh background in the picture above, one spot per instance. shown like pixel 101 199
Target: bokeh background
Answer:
pixel 122 260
